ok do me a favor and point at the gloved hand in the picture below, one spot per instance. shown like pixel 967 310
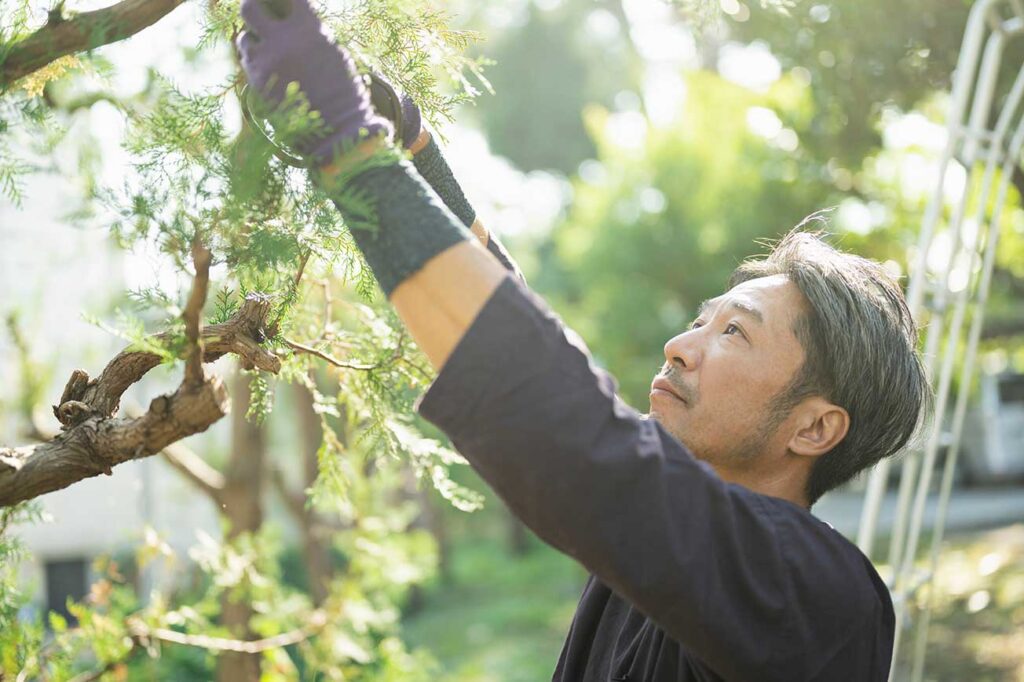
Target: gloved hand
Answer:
pixel 412 122
pixel 278 51
pixel 400 109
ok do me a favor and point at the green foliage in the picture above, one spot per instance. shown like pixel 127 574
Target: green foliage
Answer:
pixel 197 172
pixel 401 39
pixel 261 398
pixel 20 118
pixel 20 640
pixel 132 329
pixel 861 57
pixel 536 121
pixel 433 461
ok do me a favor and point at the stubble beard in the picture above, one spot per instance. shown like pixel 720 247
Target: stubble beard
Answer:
pixel 736 455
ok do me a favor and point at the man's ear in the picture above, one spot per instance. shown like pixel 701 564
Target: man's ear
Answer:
pixel 820 426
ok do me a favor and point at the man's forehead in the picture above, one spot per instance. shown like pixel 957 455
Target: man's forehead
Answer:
pixel 771 298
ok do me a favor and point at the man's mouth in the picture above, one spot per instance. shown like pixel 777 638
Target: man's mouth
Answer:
pixel 661 385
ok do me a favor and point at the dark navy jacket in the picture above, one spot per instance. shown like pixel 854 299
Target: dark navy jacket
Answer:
pixel 692 578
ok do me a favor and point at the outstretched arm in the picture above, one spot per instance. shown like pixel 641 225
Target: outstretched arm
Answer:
pixel 434 271
pixel 433 167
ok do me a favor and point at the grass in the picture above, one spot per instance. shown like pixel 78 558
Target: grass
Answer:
pixel 501 618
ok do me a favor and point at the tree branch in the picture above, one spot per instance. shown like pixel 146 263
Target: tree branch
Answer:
pixel 93 441
pixel 292 292
pixel 295 503
pixel 96 445
pixel 241 335
pixel 395 356
pixel 302 348
pixel 190 465
pixel 317 621
pixel 142 635
pixel 196 470
pixel 193 313
pixel 88 30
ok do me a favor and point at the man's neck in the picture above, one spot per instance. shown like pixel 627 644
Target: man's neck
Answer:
pixel 783 483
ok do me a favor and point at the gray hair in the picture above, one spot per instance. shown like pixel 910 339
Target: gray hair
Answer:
pixel 860 347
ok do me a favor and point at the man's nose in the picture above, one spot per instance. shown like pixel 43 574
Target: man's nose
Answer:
pixel 683 351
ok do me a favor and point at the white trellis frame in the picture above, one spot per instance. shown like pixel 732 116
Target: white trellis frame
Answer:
pixel 989 155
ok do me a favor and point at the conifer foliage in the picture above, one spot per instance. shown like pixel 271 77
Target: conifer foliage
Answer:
pixel 269 273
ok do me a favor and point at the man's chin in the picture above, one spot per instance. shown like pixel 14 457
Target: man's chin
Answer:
pixel 670 425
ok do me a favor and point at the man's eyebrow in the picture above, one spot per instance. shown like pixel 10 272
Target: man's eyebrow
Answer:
pixel 735 305
pixel 703 307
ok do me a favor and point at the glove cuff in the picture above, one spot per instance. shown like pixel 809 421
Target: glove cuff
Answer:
pixel 434 169
pixel 396 220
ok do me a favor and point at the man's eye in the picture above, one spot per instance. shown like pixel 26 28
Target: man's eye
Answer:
pixel 696 324
pixel 731 328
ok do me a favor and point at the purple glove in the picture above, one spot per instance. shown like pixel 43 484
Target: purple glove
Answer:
pixel 276 52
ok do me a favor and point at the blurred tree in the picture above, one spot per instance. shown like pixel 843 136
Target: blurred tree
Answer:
pixel 546 69
pixel 860 57
pixel 656 229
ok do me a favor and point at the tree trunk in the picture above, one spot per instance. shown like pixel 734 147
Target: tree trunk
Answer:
pixel 243 510
pixel 434 520
pixel 314 535
pixel 518 536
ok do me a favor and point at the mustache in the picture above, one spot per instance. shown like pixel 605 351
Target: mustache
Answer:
pixel 671 374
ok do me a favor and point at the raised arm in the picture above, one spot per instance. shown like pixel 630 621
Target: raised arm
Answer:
pixel 434 169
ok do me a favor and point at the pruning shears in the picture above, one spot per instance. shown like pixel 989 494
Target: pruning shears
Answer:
pixel 384 97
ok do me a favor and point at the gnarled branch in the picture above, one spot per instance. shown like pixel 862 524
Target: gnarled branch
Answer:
pixel 93 441
pixel 85 31
pixel 96 445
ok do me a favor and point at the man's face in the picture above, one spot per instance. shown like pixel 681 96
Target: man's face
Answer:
pixel 722 378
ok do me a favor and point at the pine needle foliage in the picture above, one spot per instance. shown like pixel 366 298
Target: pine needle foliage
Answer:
pixel 200 172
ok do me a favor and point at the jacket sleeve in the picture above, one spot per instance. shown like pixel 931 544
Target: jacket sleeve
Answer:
pixel 711 563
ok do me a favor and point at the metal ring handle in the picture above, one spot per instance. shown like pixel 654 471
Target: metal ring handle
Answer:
pixel 280 152
pixel 388 103
pixel 383 96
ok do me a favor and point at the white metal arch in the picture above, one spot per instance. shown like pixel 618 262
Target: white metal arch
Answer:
pixel 991 154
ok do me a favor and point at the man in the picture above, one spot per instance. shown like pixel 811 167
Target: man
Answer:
pixel 693 520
